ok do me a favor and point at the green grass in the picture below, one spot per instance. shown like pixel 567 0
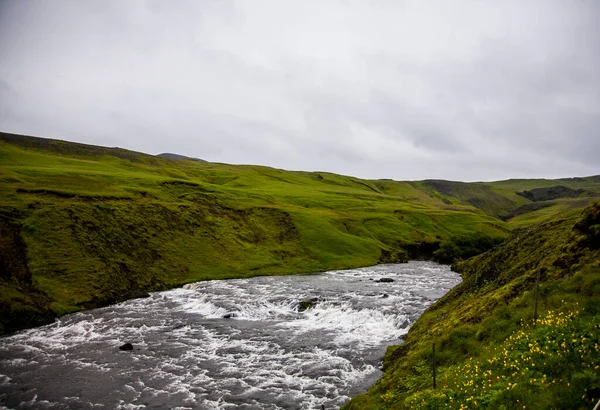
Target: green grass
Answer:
pixel 487 321
pixel 551 363
pixel 543 211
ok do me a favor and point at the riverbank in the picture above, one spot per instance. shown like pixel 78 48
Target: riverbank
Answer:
pixel 489 352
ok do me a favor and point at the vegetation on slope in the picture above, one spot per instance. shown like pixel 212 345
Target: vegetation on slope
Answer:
pixel 489 351
pixel 552 363
pixel 84 226
pixel 555 192
pixel 479 195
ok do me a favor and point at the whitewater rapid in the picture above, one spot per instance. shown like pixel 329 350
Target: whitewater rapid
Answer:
pixel 229 344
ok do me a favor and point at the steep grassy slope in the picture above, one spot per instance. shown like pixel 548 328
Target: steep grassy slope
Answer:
pixel 489 353
pixel 83 226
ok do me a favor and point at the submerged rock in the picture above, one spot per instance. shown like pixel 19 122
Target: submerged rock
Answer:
pixel 307 304
pixel 126 346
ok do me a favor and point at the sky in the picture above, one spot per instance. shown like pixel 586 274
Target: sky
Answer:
pixel 459 90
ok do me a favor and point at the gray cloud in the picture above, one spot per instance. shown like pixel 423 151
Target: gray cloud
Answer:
pixel 465 90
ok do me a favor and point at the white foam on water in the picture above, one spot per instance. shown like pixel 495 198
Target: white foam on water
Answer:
pixel 268 354
pixel 260 366
pixel 368 327
pixel 34 403
pixel 81 364
pixel 16 362
pixel 129 406
pixel 203 307
pixel 267 310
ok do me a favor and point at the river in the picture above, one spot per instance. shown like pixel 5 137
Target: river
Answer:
pixel 227 344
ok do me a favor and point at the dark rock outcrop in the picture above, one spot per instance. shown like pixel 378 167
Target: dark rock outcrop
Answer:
pixel 126 347
pixel 307 304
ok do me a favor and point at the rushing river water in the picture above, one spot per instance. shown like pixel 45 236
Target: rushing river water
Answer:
pixel 230 344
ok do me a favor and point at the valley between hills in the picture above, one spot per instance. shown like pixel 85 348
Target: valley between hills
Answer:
pixel 85 226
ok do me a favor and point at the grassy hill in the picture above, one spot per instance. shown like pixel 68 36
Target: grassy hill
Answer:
pixel 83 226
pixel 490 353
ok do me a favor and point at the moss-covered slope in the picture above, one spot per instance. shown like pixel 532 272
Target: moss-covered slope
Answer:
pixel 475 322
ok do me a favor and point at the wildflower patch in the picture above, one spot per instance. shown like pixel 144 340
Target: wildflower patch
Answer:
pixel 553 362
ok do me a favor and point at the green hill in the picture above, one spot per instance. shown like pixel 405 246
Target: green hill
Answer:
pixel 84 226
pixel 490 353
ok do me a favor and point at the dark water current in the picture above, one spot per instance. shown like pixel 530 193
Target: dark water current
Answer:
pixel 268 355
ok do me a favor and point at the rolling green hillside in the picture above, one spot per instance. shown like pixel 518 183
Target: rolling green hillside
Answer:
pixel 83 226
pixel 490 352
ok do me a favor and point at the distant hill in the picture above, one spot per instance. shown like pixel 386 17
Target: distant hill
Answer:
pixel 179 157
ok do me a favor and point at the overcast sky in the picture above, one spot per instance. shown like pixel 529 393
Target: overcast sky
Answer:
pixel 462 90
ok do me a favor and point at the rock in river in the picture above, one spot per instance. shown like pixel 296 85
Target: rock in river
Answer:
pixel 307 304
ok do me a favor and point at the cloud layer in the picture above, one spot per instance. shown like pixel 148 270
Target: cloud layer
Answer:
pixel 464 90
